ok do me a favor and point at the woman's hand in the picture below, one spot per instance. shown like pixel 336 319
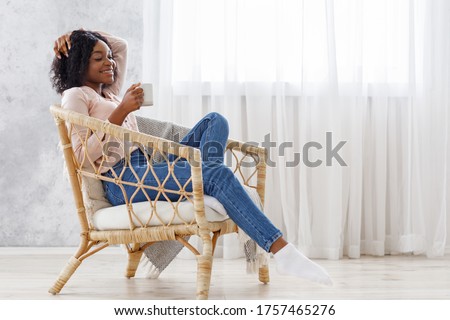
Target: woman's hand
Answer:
pixel 133 98
pixel 62 45
pixel 132 101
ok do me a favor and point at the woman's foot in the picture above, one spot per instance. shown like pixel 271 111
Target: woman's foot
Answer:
pixel 292 262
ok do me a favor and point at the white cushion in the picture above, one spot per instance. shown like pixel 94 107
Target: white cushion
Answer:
pixel 116 218
pixel 214 204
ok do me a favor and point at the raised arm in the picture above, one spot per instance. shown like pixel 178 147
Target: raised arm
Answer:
pixel 119 48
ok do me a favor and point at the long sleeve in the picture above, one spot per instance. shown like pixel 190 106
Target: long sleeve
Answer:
pixel 75 99
pixel 119 48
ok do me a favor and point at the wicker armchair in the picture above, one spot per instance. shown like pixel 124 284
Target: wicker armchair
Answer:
pixel 151 221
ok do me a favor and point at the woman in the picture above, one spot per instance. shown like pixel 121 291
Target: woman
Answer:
pixel 88 70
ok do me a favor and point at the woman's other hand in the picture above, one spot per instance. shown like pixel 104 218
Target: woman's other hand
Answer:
pixel 62 45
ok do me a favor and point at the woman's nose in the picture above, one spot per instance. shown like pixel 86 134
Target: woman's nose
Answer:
pixel 110 63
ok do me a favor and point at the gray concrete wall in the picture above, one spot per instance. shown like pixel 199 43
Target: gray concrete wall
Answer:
pixel 37 207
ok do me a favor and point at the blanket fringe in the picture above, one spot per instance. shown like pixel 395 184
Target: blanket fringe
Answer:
pixel 256 256
pixel 148 269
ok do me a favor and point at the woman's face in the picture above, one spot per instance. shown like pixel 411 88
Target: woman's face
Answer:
pixel 101 66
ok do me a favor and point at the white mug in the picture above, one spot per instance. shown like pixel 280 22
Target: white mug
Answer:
pixel 148 94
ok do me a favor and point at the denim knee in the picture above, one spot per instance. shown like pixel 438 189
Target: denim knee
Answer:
pixel 220 121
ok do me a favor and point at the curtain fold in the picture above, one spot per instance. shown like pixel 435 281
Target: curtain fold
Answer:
pixel 301 77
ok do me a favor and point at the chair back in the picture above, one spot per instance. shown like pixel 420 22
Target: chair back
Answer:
pixel 85 173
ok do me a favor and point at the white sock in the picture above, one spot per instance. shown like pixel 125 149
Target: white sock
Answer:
pixel 292 262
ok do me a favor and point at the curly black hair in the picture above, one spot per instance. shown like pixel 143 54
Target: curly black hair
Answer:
pixel 69 72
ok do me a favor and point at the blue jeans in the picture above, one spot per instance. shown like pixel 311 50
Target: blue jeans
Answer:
pixel 210 135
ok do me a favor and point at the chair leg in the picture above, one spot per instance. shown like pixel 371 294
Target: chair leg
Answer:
pixel 133 262
pixel 204 267
pixel 65 275
pixel 264 274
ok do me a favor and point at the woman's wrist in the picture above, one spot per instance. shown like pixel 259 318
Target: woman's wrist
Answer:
pixel 118 115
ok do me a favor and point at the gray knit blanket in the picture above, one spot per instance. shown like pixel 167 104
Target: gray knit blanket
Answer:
pixel 161 254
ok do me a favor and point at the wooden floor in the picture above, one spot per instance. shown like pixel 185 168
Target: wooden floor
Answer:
pixel 27 273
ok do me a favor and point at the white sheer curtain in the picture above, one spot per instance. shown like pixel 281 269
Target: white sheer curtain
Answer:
pixel 371 73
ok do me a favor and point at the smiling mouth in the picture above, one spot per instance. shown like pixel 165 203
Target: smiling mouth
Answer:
pixel 107 71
